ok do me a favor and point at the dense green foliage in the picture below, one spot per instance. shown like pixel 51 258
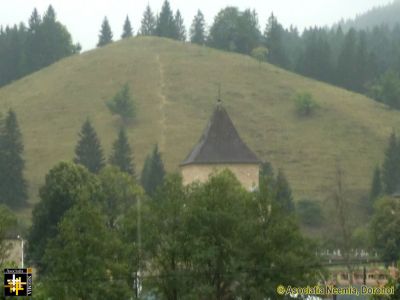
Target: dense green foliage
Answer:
pixel 376 188
pixel 277 188
pixel 24 50
pixel 105 36
pixel 206 240
pixel 13 186
pixel 385 228
pixel 121 156
pixel 384 204
pixel 266 177
pixel 309 212
pixel 122 104
pixel 127 30
pixel 65 184
pixel 7 222
pixel 391 166
pixel 210 241
pixel 386 89
pixel 153 172
pixel 84 257
pixel 88 151
pixel 119 192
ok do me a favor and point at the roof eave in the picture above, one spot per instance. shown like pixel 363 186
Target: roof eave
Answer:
pixel 221 163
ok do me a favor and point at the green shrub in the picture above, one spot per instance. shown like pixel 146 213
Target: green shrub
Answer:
pixel 122 104
pixel 309 212
pixel 305 104
pixel 260 53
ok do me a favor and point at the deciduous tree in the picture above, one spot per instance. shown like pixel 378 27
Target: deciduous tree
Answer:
pixel 385 227
pixel 85 250
pixel 65 184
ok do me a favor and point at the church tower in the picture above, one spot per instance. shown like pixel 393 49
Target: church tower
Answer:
pixel 220 147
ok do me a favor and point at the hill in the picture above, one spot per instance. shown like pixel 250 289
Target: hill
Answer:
pixel 386 14
pixel 175 87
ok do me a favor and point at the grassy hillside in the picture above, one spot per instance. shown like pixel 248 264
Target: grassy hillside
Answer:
pixel 175 88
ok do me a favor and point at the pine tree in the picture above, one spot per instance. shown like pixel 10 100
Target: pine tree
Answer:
pixel 127 30
pixel 180 27
pixel 35 20
pixel 376 188
pixel 35 42
pixel 283 193
pixel 346 67
pixel 390 167
pixel 315 60
pixel 266 178
pixel 88 151
pixel 148 25
pixel 50 15
pixel 273 39
pixel 57 42
pixel 122 154
pixel 106 35
pixel 153 172
pixel 362 63
pixel 197 30
pixel 165 22
pixel 13 187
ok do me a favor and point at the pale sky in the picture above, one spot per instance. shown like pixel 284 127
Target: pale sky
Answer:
pixel 83 18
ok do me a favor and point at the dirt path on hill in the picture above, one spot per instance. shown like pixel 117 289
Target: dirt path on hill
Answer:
pixel 163 103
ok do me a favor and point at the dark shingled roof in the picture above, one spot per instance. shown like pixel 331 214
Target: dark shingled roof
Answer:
pixel 220 143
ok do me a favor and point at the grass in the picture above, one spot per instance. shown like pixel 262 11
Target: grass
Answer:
pixel 52 104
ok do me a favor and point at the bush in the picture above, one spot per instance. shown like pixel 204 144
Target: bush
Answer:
pixel 122 104
pixel 260 53
pixel 305 104
pixel 309 212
